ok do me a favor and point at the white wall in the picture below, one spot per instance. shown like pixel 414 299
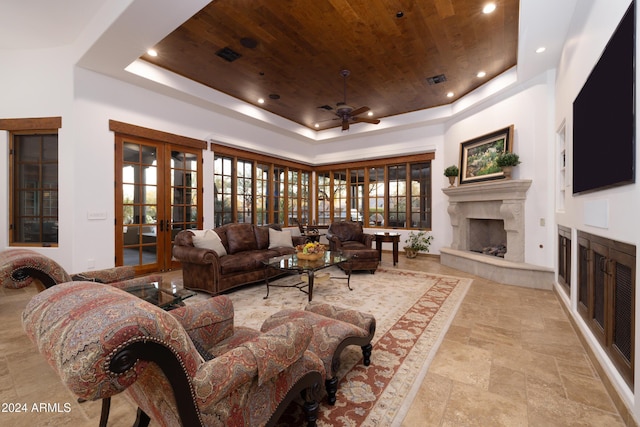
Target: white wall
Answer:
pixel 87 101
pixel 527 107
pixel 591 29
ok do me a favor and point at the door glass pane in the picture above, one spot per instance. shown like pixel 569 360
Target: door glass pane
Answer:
pixel 262 194
pixel 139 204
pixel 340 196
pixel 184 197
pixel 376 196
pixel 222 190
pixel 324 199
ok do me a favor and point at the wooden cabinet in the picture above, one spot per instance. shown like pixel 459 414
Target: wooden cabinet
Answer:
pixel 606 296
pixel 564 258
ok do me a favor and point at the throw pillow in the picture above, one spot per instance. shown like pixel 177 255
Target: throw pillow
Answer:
pixel 210 240
pixel 280 239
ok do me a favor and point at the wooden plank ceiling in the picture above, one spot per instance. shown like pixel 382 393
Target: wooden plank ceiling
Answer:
pixel 291 53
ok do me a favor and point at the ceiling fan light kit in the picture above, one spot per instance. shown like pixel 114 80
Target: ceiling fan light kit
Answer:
pixel 346 113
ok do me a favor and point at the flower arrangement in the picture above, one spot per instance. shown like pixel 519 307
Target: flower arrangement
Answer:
pixel 310 248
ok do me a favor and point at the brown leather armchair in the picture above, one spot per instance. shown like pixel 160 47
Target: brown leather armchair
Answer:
pixel 349 238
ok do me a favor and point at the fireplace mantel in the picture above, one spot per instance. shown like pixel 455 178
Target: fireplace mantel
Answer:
pixel 501 200
pixel 506 189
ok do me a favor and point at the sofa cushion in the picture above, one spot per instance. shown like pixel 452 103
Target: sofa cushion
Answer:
pixel 262 234
pixel 209 240
pixel 243 262
pixel 240 238
pixel 278 239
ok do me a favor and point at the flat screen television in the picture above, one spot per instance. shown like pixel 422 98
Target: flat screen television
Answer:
pixel 604 116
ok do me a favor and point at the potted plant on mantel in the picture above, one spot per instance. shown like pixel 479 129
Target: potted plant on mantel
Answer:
pixel 507 161
pixel 417 242
pixel 452 172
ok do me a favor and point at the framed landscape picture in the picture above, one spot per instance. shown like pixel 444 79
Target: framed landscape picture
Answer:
pixel 478 156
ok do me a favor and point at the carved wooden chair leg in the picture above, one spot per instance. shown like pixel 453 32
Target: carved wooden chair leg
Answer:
pixel 331 386
pixel 311 407
pixel 142 419
pixel 366 354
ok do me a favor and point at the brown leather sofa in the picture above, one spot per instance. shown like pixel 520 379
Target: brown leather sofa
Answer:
pixel 247 245
pixel 349 238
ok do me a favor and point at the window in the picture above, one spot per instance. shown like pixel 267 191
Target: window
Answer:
pixel 248 189
pixel 395 194
pixel 223 190
pixel 391 192
pixel 33 184
pixel 244 191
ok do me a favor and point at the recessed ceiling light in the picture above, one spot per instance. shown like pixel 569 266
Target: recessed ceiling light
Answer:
pixel 450 95
pixel 370 113
pixel 260 100
pixel 541 49
pixel 481 74
pixel 489 7
pixel 317 125
pixel 152 52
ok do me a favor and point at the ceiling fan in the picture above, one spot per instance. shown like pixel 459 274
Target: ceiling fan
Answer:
pixel 348 114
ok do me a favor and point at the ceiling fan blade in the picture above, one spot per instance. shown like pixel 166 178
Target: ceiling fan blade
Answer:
pixel 366 120
pixel 359 111
pixel 345 125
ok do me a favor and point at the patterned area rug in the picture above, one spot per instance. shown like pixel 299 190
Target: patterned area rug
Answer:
pixel 413 311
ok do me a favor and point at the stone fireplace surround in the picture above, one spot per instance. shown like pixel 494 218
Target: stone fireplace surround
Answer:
pixel 503 201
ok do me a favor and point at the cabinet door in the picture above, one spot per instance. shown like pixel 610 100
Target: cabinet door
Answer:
pixel 621 337
pixel 598 311
pixel 584 267
pixel 564 258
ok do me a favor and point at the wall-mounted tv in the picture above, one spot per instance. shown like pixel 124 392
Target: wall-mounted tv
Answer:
pixel 604 116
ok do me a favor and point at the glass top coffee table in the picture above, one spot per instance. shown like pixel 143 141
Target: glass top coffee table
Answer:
pixel 165 298
pixel 291 264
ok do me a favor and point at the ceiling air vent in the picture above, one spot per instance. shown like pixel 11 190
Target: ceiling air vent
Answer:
pixel 228 54
pixel 326 107
pixel 440 78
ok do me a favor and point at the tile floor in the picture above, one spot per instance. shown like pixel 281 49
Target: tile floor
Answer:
pixel 510 358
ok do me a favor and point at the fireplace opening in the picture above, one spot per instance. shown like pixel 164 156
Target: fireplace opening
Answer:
pixel 488 236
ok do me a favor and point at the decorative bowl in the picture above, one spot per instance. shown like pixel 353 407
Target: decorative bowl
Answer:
pixel 310 257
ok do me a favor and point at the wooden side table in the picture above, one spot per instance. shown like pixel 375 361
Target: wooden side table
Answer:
pixel 393 238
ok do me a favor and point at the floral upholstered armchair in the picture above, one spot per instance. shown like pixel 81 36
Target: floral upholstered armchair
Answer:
pixel 19 268
pixel 188 367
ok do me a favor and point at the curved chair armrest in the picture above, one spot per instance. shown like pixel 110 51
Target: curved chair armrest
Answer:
pixel 207 322
pixel 91 349
pixel 195 255
pixel 367 239
pixel 334 242
pixel 18 268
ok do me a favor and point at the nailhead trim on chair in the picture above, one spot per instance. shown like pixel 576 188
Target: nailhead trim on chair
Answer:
pixel 165 344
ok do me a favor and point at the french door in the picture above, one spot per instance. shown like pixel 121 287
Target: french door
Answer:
pixel 158 187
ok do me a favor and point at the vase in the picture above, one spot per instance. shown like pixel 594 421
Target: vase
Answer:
pixel 506 170
pixel 410 252
pixel 452 181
